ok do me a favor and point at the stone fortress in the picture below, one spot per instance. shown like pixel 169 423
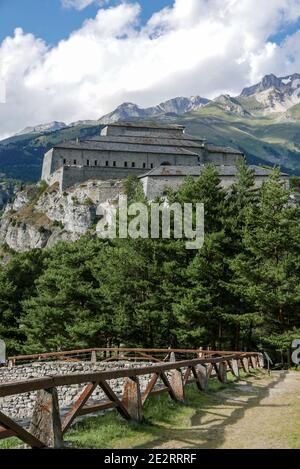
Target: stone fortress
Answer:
pixel 160 155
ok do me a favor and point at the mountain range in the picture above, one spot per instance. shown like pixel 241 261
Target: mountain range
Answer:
pixel 263 122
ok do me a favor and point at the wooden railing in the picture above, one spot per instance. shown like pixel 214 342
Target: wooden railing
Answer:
pixel 115 353
pixel 48 425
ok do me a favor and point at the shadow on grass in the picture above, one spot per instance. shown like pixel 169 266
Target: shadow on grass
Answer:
pixel 199 423
pixel 209 420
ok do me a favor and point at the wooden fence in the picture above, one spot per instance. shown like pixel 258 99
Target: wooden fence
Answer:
pixel 116 353
pixel 48 425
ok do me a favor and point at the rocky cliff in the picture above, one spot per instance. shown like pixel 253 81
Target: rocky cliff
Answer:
pixel 40 215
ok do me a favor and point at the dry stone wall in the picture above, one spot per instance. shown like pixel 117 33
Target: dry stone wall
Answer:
pixel 21 406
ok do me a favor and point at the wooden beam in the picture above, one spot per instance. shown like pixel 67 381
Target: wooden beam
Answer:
pixel 4 433
pixel 20 432
pixel 245 364
pixel 223 367
pixel 76 407
pixel 251 362
pixel 132 398
pixel 176 382
pixel 150 387
pixel 200 373
pixel 41 356
pixel 187 375
pixel 113 397
pixel 45 423
pixel 234 367
pixel 166 382
pixel 98 407
pixel 10 388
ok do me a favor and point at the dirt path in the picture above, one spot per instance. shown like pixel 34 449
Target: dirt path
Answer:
pixel 261 412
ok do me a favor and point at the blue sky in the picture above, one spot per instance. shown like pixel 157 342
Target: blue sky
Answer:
pixel 196 47
pixel 48 20
pixel 289 30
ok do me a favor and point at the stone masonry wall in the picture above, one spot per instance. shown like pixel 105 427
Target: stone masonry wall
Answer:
pixel 21 406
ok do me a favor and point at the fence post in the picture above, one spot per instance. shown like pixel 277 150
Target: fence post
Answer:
pixel 245 364
pixel 93 357
pixel 46 424
pixel 261 360
pixel 222 372
pixel 132 398
pixel 202 377
pixel 176 381
pixel 235 368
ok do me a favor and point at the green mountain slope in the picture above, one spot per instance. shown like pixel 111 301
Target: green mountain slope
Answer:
pixel 268 140
pixel 272 140
pixel 21 157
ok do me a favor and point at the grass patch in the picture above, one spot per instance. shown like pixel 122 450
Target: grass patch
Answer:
pixel 294 438
pixel 28 214
pixel 10 443
pixel 161 414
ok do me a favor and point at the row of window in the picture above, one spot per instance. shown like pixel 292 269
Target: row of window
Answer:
pixel 88 163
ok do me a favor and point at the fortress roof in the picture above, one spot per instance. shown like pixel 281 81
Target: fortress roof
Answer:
pixel 184 141
pixel 216 149
pixel 106 145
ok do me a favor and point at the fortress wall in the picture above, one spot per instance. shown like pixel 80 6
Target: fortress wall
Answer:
pixel 57 176
pixel 141 160
pixel 72 175
pixel 47 165
pixel 101 192
pixel 156 186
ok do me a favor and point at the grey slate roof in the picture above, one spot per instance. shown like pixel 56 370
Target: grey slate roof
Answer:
pixel 169 171
pixel 163 136
pixel 106 145
pixel 186 141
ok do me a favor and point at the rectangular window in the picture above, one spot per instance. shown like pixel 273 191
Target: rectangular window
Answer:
pixel 144 165
pixel 125 164
pixel 133 165
pixel 151 165
pixel 65 161
pixel 96 163
pixel 88 162
pixel 106 163
pixel 114 163
pixel 75 161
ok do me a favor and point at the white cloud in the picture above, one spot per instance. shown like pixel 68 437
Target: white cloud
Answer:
pixel 195 47
pixel 81 4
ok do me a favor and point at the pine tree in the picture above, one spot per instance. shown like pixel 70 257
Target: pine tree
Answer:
pixel 67 308
pixel 266 271
pixel 17 282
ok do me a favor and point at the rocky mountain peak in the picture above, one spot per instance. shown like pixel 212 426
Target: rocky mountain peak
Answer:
pixel 48 127
pixel 178 106
pixel 285 84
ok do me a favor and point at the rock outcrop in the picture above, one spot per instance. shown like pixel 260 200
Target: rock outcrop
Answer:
pixel 40 216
